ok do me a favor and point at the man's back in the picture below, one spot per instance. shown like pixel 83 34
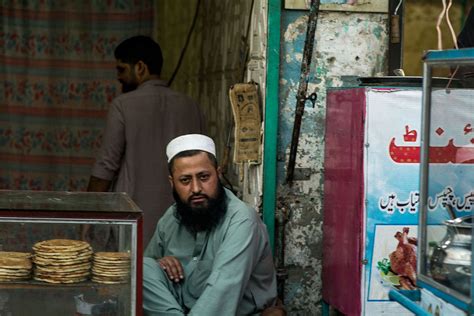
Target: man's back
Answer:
pixel 139 125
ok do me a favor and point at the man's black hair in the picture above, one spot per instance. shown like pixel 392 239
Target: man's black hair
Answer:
pixel 466 36
pixel 190 153
pixel 143 48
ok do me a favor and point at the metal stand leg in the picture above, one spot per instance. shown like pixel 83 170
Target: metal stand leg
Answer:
pixel 325 308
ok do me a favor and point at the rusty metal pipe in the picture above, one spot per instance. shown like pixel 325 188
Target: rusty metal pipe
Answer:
pixel 303 86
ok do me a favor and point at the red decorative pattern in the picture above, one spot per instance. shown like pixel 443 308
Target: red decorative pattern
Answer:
pixel 57 79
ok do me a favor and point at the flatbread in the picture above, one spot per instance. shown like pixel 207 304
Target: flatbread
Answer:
pixel 112 255
pixel 61 245
pixel 14 278
pixel 106 265
pixel 59 262
pixel 109 282
pixel 49 280
pixel 15 266
pixel 62 275
pixel 110 279
pixel 69 268
pixel 14 274
pixel 64 254
pixel 110 274
pixel 15 254
pixel 15 263
pixel 113 270
pixel 66 258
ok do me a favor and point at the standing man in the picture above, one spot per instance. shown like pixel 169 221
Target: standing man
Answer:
pixel 140 123
pixel 465 39
pixel 210 253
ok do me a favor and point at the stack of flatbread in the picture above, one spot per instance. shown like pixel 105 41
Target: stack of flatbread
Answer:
pixel 111 267
pixel 15 266
pixel 62 261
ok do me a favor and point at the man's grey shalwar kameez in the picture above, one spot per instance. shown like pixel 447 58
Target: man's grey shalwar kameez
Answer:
pixel 228 271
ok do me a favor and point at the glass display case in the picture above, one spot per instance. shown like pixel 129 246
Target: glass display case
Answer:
pixel 447 178
pixel 69 253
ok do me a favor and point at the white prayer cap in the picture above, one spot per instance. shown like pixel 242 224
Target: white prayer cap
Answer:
pixel 190 142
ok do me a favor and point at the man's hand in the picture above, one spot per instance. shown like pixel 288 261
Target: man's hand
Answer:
pixel 172 267
pixel 274 311
pixel 98 185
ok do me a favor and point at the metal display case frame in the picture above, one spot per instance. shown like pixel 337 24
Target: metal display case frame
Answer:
pixel 65 210
pixel 432 61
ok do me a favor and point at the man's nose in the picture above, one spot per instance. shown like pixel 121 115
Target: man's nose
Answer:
pixel 196 186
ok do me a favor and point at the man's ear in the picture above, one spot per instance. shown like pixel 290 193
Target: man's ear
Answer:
pixel 141 69
pixel 219 171
pixel 170 179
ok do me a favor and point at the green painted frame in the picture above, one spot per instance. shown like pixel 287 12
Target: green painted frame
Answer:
pixel 271 117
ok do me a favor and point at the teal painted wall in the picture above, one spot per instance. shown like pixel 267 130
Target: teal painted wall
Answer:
pixel 346 45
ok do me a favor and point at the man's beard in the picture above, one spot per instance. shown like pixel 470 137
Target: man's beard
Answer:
pixel 197 219
pixel 128 86
pixel 131 84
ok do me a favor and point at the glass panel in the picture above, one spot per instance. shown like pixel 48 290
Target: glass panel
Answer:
pixel 67 279
pixel 21 235
pixel 450 185
pixel 67 201
pixel 465 75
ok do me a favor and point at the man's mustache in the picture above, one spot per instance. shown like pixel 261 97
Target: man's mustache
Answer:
pixel 198 195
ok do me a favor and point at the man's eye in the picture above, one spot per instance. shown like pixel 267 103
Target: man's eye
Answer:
pixel 204 177
pixel 185 181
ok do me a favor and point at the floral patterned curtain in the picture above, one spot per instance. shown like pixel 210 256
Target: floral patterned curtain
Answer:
pixel 57 78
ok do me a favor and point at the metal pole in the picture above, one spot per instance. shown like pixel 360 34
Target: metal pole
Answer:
pixel 303 86
pixel 424 167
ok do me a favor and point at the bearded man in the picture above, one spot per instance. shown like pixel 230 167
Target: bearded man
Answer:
pixel 210 253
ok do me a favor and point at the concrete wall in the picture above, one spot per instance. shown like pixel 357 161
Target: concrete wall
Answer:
pixel 347 44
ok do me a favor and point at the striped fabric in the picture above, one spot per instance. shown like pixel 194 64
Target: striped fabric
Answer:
pixel 57 78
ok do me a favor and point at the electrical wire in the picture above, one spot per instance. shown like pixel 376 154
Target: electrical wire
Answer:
pixel 246 41
pixel 455 41
pixel 438 29
pixel 398 7
pixel 244 63
pixel 183 51
pixel 453 34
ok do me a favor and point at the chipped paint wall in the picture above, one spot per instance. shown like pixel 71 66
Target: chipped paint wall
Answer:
pixel 346 44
